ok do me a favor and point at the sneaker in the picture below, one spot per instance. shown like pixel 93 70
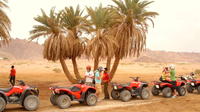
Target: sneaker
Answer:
pixel 174 96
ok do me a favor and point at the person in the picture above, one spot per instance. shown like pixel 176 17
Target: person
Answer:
pixel 106 80
pixel 12 75
pixel 173 79
pixel 89 76
pixel 165 74
pixel 98 77
pixel 191 76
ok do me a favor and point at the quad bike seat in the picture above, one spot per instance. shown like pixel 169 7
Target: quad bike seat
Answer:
pixel 5 89
pixel 75 89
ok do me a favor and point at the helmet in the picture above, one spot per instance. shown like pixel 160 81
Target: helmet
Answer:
pixel 88 67
pixel 172 66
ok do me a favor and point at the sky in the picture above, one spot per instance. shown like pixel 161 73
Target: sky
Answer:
pixel 177 28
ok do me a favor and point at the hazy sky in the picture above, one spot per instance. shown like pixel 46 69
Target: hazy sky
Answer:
pixel 177 28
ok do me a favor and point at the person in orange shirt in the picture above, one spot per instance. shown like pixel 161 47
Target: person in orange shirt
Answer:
pixel 106 80
pixel 12 75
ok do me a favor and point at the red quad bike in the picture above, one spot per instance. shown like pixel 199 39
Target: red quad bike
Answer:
pixel 166 88
pixel 22 94
pixel 125 92
pixel 192 84
pixel 62 96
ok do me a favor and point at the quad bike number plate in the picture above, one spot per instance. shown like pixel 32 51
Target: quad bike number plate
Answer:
pixel 115 87
pixel 157 86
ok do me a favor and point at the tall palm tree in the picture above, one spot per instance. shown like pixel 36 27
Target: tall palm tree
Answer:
pixel 5 24
pixel 73 22
pixel 102 45
pixel 131 32
pixel 57 46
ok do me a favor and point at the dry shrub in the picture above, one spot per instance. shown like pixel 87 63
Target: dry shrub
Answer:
pixel 197 71
pixel 57 70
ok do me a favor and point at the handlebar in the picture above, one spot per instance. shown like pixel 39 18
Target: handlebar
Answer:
pixel 135 78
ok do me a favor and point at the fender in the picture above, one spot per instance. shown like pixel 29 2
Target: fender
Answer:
pixel 27 90
pixel 83 95
pixel 143 84
pixel 4 96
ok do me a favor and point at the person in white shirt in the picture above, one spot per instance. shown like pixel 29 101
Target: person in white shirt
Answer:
pixel 89 76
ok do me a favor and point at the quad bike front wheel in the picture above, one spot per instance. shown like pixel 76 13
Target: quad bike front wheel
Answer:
pixel 115 94
pixel 198 89
pixel 31 102
pixel 167 92
pixel 190 89
pixel 181 91
pixel 2 104
pixel 91 99
pixel 125 95
pixel 145 94
pixel 63 101
pixel 53 99
pixel 155 91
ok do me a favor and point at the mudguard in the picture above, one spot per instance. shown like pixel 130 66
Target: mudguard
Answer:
pixel 83 95
pixel 23 95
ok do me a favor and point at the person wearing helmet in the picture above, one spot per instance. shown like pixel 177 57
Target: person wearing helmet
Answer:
pixel 165 75
pixel 89 76
pixel 98 79
pixel 191 76
pixel 173 79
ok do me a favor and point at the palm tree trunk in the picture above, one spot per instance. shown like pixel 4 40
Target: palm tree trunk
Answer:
pixel 96 62
pixel 114 67
pixel 108 63
pixel 66 71
pixel 75 66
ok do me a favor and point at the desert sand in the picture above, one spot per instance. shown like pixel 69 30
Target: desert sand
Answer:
pixel 44 74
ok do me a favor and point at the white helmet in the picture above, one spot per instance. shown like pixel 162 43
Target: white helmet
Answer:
pixel 172 66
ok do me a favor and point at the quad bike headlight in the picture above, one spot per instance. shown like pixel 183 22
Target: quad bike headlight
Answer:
pixel 157 86
pixel 115 87
pixel 192 84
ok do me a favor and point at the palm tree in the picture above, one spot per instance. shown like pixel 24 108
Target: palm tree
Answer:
pixel 57 46
pixel 130 34
pixel 102 45
pixel 74 23
pixel 5 24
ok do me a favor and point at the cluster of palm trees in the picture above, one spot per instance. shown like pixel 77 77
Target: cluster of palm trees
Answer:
pixel 115 32
pixel 5 24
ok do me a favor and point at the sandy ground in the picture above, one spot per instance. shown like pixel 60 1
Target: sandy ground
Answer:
pixel 44 74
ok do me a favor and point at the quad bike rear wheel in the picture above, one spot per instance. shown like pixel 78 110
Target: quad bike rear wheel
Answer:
pixel 115 94
pixel 181 91
pixel 91 99
pixel 31 103
pixel 63 101
pixel 125 95
pixel 167 92
pixel 2 104
pixel 144 94
pixel 190 89
pixel 198 89
pixel 155 91
pixel 53 99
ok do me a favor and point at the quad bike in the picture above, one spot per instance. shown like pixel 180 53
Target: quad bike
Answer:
pixel 135 88
pixel 167 88
pixel 63 96
pixel 22 94
pixel 192 84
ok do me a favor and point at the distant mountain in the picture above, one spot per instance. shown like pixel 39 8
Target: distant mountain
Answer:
pixel 163 56
pixel 22 49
